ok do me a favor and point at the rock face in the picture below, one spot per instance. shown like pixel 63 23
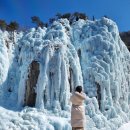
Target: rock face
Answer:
pixel 31 82
pixel 125 36
pixel 87 53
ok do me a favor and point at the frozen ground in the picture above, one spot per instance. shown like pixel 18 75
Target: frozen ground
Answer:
pixel 125 127
pixel 87 53
pixel 31 119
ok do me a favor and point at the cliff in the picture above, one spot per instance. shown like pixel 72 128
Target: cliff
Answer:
pixel 44 66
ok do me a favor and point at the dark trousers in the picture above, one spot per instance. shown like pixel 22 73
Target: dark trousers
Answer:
pixel 77 128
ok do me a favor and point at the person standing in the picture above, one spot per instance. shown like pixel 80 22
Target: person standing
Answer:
pixel 77 109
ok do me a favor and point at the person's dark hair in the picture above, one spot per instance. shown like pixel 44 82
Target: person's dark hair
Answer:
pixel 78 89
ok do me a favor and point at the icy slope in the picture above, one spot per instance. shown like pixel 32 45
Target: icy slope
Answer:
pixel 44 66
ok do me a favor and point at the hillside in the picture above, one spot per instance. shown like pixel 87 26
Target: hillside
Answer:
pixel 125 36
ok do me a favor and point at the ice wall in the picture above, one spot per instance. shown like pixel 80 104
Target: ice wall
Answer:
pixel 105 65
pixel 57 57
pixel 88 53
pixel 104 60
pixel 4 59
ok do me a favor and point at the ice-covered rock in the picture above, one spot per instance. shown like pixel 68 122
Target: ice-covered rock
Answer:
pixel 44 66
pixel 4 59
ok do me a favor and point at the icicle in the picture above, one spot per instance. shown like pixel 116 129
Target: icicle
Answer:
pixel 42 80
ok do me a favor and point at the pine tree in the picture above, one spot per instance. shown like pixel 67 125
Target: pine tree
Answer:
pixel 51 20
pixel 66 15
pixel 93 18
pixel 36 20
pixel 12 27
pixel 83 16
pixel 58 15
pixel 3 25
pixel 105 16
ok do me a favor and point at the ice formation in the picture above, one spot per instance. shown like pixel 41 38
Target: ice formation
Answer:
pixel 43 66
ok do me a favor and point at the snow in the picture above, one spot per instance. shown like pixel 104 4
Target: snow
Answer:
pixel 125 127
pixel 31 118
pixel 87 53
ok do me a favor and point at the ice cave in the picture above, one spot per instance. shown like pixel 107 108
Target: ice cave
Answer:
pixel 41 69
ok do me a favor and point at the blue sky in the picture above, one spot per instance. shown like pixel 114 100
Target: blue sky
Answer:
pixel 22 10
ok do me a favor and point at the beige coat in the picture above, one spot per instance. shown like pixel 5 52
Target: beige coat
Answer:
pixel 77 109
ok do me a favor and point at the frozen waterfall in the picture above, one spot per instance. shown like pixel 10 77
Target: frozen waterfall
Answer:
pixel 45 65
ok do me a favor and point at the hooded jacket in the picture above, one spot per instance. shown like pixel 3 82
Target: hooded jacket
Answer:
pixel 77 109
